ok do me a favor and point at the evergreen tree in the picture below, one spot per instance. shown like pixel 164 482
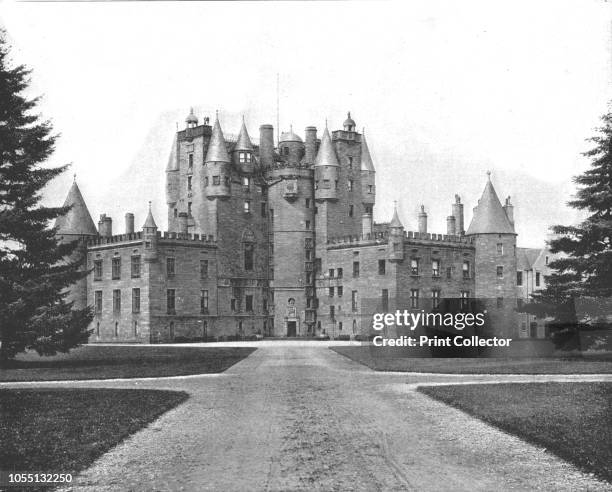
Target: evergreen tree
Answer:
pixel 35 269
pixel 584 268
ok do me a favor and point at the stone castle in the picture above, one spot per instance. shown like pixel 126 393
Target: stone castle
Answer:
pixel 279 241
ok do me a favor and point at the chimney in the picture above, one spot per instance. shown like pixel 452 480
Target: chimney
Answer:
pixel 458 214
pixel 182 221
pixel 129 223
pixel 509 209
pixel 105 226
pixel 422 220
pixel 451 226
pixel 311 144
pixel 266 145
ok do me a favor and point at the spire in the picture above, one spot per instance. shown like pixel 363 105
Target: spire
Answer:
pixel 395 221
pixel 150 222
pixel 326 155
pixel 77 220
pixel 489 216
pixel 172 160
pixel 244 141
pixel 366 158
pixel 217 150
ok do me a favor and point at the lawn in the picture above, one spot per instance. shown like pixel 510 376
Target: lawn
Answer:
pixel 571 420
pixel 65 430
pixel 523 365
pixel 103 362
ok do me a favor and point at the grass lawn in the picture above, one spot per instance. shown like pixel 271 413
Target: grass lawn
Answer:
pixel 103 362
pixel 65 430
pixel 571 420
pixel 524 365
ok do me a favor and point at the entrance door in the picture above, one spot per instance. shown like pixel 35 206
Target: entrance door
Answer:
pixel 291 328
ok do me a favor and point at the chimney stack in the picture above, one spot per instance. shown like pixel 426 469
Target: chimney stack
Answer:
pixel 266 145
pixel 129 223
pixel 458 214
pixel 451 226
pixel 105 226
pixel 310 144
pixel 509 209
pixel 182 221
pixel 423 220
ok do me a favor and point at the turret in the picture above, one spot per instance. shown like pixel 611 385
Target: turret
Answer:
pixel 349 123
pixel 326 170
pixel 458 214
pixel 149 234
pixel 105 226
pixel 291 147
pixel 243 152
pixel 192 120
pixel 217 166
pixel 422 220
pixel 172 183
pixel 509 209
pixel 266 145
pixel 396 238
pixel 368 174
pixel 310 144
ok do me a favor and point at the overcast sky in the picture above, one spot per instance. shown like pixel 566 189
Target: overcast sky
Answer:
pixel 446 91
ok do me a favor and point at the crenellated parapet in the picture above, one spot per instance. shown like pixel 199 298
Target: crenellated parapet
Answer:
pixel 409 237
pixel 165 237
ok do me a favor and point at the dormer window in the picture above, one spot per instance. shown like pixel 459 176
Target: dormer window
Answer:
pixel 244 157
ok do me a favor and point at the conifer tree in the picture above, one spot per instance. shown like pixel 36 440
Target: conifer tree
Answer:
pixel 35 268
pixel 584 268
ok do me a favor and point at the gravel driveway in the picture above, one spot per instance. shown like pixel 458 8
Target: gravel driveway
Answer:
pixel 301 417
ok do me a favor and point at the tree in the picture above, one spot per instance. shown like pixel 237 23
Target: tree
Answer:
pixel 584 268
pixel 35 268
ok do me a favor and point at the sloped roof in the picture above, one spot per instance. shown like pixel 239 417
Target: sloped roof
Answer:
pixel 326 155
pixel 77 220
pixel 244 141
pixel 526 257
pixel 395 221
pixel 366 158
pixel 150 222
pixel 217 148
pixel 172 160
pixel 290 136
pixel 489 215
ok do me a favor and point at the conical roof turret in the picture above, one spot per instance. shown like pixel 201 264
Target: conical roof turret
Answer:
pixel 244 141
pixel 326 155
pixel 191 118
pixel 217 149
pixel 366 158
pixel 150 222
pixel 172 160
pixel 489 216
pixel 77 220
pixel 395 221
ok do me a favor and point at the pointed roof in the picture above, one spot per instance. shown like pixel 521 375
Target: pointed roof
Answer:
pixel 244 141
pixel 326 155
pixel 489 216
pixel 290 136
pixel 366 158
pixel 150 222
pixel 172 160
pixel 217 150
pixel 77 220
pixel 395 221
pixel 191 117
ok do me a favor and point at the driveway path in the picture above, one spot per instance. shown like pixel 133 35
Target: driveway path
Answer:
pixel 305 418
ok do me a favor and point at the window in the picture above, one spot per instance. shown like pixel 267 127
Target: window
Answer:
pixel 382 267
pixel 189 209
pixel 216 180
pixel 170 267
pixel 385 299
pixel 171 301
pixel 309 277
pixel 351 208
pixel 435 298
pixel 190 162
pixel 249 249
pixel 336 184
pixel 350 162
pixel 98 329
pixel 354 300
pixel 340 291
pixel 414 298
pixel 326 184
pixel 98 301
pixel 272 215
pixel 309 254
pixel 500 302
pixel 205 180
pixel 98 270
pixel 116 328
pixel 331 292
pixel 370 189
pixel 204 301
pixel 116 301
pixel 331 273
pixel 116 268
pixel 350 185
pixel 244 157
pixel 339 325
pixel 307 202
pixel 246 183
pixel 465 295
pixel 135 328
pixel 265 305
pixel 307 224
pixel 466 269
pixel 519 303
pixel 263 209
pixel 355 269
pixel 519 278
pixel 226 180
pixel 339 273
pixel 233 304
pixel 247 206
pixel 500 248
pixel 317 265
pixel 500 272
pixel 546 260
pixel 537 279
pixel 449 272
pixel 135 300
pixel 435 268
pixel 414 266
pixel 249 303
pixel 332 312
pixel 203 268
pixel 176 211
pixel 189 183
pixel 135 266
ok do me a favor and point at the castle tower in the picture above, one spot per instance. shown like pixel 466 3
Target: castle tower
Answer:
pixel 76 225
pixel 326 171
pixel 172 186
pixel 149 234
pixel 242 154
pixel 495 260
pixel 396 238
pixel 368 186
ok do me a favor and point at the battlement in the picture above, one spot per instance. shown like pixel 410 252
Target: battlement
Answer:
pixel 409 236
pixel 138 236
pixel 287 165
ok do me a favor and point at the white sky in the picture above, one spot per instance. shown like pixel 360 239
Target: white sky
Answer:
pixel 446 90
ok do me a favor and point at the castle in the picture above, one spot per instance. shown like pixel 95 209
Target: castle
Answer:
pixel 279 241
